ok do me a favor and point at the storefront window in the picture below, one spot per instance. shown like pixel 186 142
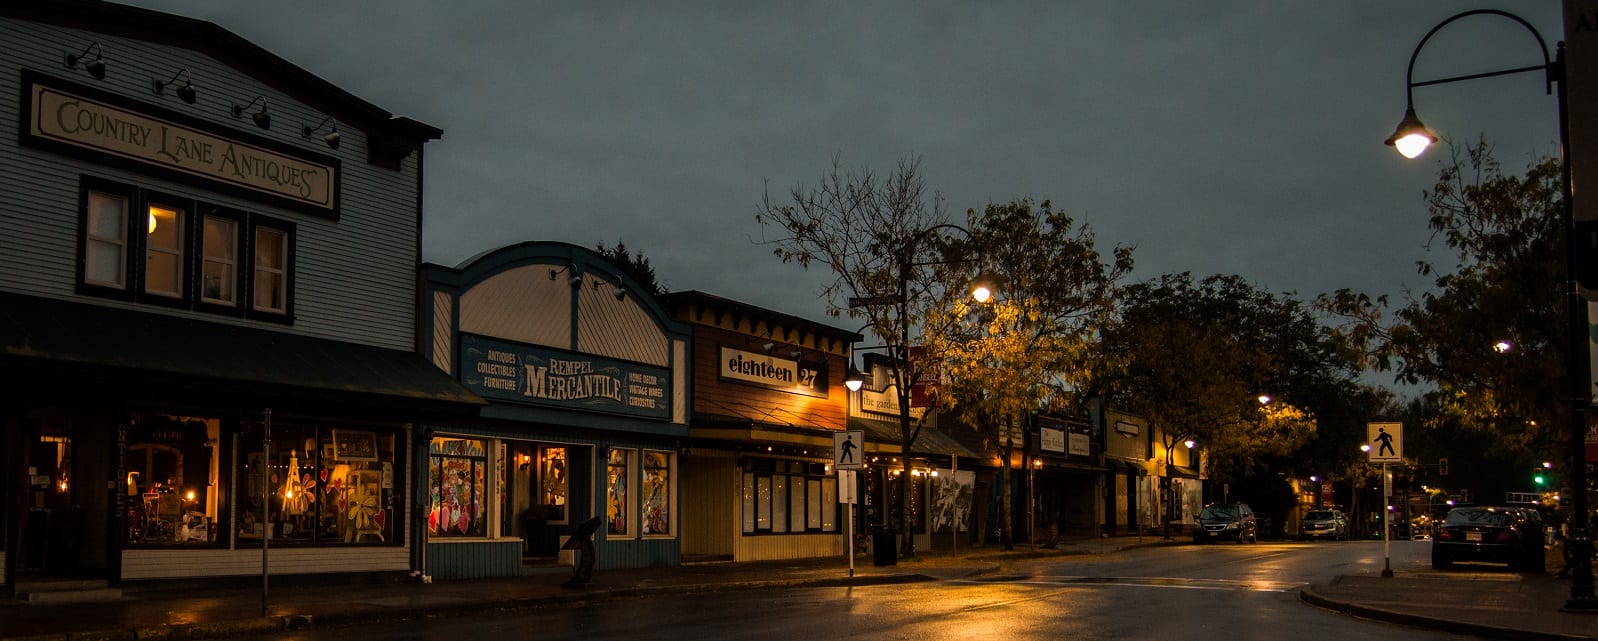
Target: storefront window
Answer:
pixel 457 470
pixel 657 493
pixel 788 497
pixel 616 505
pixel 172 493
pixel 553 483
pixel 319 485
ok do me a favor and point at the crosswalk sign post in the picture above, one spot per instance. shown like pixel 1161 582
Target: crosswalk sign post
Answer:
pixel 848 455
pixel 1384 443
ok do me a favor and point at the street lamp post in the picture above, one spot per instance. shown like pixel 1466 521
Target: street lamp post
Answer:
pixel 1411 138
pixel 899 351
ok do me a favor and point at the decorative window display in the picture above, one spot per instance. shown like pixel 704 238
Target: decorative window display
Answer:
pixel 553 482
pixel 616 498
pixel 656 493
pixel 457 473
pixel 170 488
pixel 311 493
pixel 788 497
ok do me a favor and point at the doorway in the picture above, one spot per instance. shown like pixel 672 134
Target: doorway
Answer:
pixel 64 514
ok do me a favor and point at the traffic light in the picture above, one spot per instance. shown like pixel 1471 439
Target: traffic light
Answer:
pixel 1442 467
pixel 1539 479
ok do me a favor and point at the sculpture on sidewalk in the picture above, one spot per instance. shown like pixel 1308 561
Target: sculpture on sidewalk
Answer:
pixel 583 542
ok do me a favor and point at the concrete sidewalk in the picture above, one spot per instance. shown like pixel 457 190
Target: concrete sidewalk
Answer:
pixel 1498 605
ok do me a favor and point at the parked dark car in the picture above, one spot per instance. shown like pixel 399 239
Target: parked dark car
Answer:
pixel 1323 524
pixel 1511 535
pixel 1235 522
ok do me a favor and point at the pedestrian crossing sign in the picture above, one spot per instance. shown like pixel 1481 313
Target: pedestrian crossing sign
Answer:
pixel 848 450
pixel 1385 442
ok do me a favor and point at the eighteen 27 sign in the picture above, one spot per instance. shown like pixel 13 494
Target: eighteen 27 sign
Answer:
pixel 542 376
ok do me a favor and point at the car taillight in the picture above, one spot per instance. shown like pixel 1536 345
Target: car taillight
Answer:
pixel 1445 535
pixel 1505 536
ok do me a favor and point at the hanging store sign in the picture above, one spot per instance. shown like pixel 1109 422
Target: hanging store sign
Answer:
pixel 541 376
pixel 788 375
pixel 64 117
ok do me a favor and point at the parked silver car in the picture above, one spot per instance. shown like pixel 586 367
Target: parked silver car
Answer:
pixel 1323 524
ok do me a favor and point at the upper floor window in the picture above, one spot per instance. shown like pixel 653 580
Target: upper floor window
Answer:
pixel 163 252
pixel 219 276
pixel 105 242
pixel 139 245
pixel 271 270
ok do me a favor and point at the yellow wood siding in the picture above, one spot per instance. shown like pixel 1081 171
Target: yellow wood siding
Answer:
pixel 444 331
pixel 522 304
pixel 710 488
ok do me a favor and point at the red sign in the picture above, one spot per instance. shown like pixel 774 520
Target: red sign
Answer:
pixel 1592 442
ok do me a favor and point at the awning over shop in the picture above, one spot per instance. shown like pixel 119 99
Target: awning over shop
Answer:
pixel 150 352
pixel 931 442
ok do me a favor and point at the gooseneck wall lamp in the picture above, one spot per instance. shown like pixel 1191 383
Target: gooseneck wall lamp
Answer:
pixel 186 93
pixel 261 118
pixel 1411 138
pixel 95 67
pixel 331 137
pixel 576 279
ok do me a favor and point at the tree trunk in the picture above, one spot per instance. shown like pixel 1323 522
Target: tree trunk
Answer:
pixel 1006 513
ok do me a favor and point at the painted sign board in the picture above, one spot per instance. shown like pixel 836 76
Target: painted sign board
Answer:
pixel 766 370
pixel 65 117
pixel 533 375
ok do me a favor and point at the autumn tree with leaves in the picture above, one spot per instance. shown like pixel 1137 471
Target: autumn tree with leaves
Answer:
pixel 1029 348
pixel 1505 249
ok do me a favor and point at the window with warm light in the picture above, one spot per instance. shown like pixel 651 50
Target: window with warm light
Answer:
pixel 788 497
pixel 457 493
pixel 172 477
pixel 657 490
pixel 143 246
pixel 163 252
pixel 618 506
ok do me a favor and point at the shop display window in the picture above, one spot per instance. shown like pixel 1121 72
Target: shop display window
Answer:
pixel 617 506
pixel 457 472
pixel 788 497
pixel 554 483
pixel 656 517
pixel 319 485
pixel 171 488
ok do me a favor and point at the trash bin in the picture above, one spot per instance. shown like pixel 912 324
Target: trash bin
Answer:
pixel 884 551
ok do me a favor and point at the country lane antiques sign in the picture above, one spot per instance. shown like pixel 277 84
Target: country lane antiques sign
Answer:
pixel 554 378
pixel 71 119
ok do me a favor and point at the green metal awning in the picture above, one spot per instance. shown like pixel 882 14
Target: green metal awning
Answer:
pixel 43 338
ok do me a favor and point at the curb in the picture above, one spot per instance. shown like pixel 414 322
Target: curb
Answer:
pixel 1311 596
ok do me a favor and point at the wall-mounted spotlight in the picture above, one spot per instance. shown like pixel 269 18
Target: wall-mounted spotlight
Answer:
pixel 331 138
pixel 615 290
pixel 261 118
pixel 767 347
pixel 186 93
pixel 574 279
pixel 95 67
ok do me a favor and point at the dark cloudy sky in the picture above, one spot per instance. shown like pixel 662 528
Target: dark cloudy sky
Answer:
pixel 1215 137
